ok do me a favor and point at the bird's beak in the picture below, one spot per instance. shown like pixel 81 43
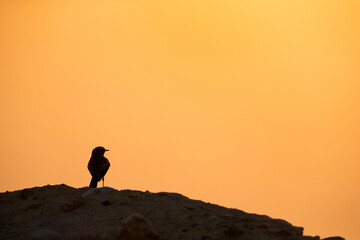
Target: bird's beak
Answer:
pixel 106 150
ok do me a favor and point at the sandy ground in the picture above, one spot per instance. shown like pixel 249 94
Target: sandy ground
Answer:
pixel 63 212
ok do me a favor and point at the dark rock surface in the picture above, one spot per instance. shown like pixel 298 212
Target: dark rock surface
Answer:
pixel 63 212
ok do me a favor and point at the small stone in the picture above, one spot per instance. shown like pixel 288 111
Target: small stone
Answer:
pixel 137 227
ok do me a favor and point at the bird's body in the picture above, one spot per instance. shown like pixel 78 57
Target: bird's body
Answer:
pixel 98 166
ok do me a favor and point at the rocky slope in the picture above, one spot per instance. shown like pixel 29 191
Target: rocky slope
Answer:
pixel 63 212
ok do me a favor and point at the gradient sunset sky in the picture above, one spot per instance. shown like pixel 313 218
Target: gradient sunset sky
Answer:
pixel 249 104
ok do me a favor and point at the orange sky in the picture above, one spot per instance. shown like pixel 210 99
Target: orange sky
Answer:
pixel 249 104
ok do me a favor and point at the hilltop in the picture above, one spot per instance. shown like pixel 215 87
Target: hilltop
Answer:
pixel 63 212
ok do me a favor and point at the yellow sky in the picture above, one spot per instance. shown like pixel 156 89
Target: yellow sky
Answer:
pixel 248 104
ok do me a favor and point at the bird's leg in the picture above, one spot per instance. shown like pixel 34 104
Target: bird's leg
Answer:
pixel 103 182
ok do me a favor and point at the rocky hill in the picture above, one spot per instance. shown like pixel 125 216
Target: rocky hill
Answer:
pixel 63 212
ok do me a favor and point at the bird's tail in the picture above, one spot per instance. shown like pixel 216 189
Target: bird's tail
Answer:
pixel 93 183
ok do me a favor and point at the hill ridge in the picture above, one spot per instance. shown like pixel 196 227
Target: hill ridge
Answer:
pixel 64 212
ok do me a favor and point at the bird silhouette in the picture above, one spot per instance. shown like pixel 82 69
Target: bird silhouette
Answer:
pixel 98 166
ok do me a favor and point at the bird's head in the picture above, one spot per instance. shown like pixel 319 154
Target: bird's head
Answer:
pixel 99 151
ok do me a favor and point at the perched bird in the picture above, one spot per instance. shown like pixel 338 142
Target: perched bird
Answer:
pixel 98 166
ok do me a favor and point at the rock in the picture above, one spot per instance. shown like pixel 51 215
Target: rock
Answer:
pixel 137 227
pixel 44 234
pixel 103 214
pixel 72 205
pixel 93 191
pixel 89 192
